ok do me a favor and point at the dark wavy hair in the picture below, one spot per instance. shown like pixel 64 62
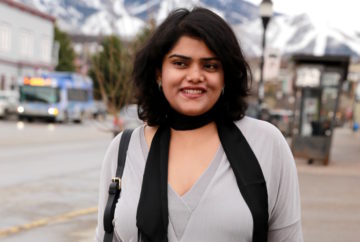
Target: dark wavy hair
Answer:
pixel 199 23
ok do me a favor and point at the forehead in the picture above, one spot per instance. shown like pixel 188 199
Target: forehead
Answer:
pixel 192 47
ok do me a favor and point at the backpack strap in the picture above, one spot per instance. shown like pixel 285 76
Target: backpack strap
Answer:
pixel 115 186
pixel 249 177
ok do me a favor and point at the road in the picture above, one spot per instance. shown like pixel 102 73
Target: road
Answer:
pixel 49 180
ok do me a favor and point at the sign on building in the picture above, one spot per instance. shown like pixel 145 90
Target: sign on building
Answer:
pixel 272 61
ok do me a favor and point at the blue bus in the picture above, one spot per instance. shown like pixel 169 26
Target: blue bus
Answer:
pixel 56 96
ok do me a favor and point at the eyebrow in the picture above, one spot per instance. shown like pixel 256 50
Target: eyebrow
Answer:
pixel 189 58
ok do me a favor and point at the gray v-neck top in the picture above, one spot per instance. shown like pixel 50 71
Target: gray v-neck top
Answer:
pixel 213 209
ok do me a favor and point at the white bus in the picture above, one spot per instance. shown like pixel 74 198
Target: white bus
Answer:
pixel 57 96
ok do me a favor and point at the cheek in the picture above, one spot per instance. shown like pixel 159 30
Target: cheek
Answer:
pixel 217 82
pixel 168 87
pixel 168 92
pixel 170 80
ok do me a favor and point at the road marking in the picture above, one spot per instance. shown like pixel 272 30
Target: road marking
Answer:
pixel 45 221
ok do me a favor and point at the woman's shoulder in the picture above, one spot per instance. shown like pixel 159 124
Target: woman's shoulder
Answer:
pixel 267 142
pixel 137 130
pixel 110 159
pixel 259 129
pixel 114 144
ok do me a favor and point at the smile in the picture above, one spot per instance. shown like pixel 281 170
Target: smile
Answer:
pixel 193 91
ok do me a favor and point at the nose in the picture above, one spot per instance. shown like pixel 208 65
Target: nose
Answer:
pixel 195 74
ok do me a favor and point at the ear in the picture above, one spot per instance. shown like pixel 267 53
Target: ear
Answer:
pixel 158 76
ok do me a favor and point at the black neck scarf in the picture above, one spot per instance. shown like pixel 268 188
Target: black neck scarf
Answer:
pixel 179 121
pixel 152 212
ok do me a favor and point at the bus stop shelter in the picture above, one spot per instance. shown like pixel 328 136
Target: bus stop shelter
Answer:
pixel 317 86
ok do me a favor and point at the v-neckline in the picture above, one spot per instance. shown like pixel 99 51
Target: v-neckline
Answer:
pixel 182 207
pixel 204 178
pixel 217 157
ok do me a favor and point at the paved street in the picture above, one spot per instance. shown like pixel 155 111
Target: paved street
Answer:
pixel 49 181
pixel 48 172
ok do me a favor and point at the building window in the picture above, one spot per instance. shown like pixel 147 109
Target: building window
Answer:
pixel 5 37
pixel 45 45
pixel 13 83
pixel 26 43
pixel 2 82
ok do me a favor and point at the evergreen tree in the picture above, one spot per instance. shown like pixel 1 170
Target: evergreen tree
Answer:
pixel 66 51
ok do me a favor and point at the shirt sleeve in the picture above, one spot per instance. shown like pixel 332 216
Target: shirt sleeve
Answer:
pixel 285 214
pixel 291 233
pixel 108 171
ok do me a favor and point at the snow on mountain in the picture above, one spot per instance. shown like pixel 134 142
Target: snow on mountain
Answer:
pixel 297 34
pixel 289 34
pixel 128 26
pixel 112 18
pixel 96 4
pixel 167 6
pixel 141 7
pixel 98 24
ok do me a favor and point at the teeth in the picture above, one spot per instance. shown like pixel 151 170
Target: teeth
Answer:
pixel 192 91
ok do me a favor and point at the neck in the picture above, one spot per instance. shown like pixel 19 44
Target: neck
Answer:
pixel 195 137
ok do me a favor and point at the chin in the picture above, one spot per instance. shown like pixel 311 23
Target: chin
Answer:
pixel 192 112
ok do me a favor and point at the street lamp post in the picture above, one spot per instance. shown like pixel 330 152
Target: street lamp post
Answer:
pixel 266 11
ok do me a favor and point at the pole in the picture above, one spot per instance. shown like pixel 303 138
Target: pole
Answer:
pixel 261 81
pixel 265 21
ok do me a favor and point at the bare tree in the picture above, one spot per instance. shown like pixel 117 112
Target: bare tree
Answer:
pixel 112 67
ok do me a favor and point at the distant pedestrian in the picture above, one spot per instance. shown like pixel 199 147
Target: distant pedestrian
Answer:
pixel 199 170
pixel 355 126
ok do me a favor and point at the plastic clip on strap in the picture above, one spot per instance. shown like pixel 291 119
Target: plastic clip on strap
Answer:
pixel 115 186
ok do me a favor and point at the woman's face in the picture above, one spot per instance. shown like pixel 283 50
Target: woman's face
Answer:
pixel 192 77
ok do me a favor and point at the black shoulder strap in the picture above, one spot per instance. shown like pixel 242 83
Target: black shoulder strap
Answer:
pixel 115 186
pixel 249 177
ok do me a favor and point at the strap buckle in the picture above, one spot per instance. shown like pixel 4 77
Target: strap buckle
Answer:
pixel 118 181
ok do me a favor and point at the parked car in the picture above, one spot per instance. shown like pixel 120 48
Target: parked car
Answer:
pixel 252 110
pixel 127 119
pixel 8 103
pixel 282 119
pixel 255 111
pixel 99 110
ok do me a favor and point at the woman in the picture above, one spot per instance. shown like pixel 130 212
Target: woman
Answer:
pixel 199 170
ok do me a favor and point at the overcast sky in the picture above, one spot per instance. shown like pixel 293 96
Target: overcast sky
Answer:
pixel 340 13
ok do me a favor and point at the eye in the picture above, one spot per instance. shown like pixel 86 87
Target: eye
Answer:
pixel 179 63
pixel 211 66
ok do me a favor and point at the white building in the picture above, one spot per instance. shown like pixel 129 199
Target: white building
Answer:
pixel 26 42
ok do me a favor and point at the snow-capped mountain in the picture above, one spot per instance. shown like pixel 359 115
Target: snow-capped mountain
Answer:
pixel 298 34
pixel 288 34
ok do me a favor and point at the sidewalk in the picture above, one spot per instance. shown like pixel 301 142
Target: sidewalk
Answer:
pixel 330 195
pixel 344 155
